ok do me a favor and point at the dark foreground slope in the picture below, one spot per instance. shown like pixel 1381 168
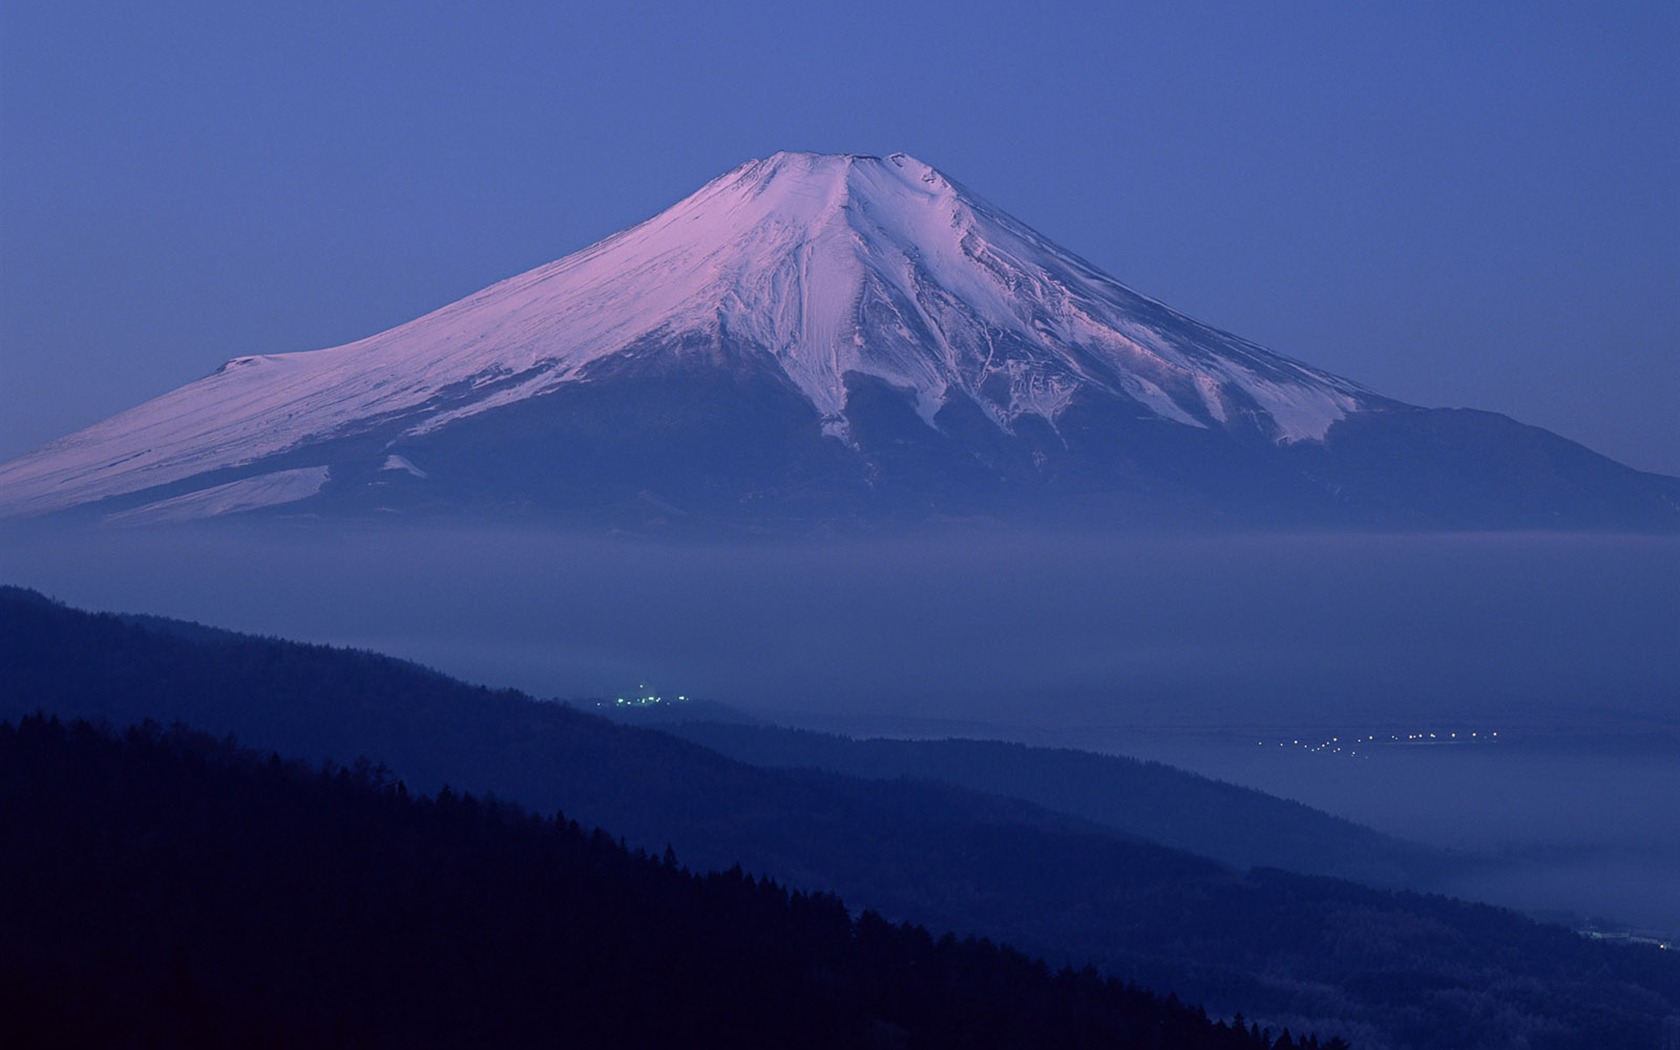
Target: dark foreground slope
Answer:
pixel 1385 969
pixel 183 893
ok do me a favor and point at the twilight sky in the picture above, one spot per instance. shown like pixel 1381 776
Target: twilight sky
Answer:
pixel 1473 205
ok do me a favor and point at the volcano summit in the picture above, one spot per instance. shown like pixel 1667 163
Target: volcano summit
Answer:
pixel 817 341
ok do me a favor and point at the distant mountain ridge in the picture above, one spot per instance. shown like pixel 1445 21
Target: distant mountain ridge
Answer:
pixel 811 341
pixel 1235 825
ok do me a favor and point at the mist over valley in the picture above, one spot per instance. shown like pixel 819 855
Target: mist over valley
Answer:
pixel 1214 654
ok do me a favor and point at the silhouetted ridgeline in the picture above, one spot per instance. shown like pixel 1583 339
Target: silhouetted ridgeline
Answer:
pixel 180 892
pixel 1237 825
pixel 1383 969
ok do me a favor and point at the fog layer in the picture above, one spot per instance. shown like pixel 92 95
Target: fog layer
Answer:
pixel 1181 649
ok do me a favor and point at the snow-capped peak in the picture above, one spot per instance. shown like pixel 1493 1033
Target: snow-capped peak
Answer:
pixel 822 264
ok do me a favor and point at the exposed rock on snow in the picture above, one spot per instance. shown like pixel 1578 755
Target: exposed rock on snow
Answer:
pixel 825 265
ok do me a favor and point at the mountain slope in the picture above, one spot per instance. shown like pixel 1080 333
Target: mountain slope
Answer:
pixel 184 893
pixel 806 337
pixel 1394 969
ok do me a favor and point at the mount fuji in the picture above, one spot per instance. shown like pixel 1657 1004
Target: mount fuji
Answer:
pixel 814 341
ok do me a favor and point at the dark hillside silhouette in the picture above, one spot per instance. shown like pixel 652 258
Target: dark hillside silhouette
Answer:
pixel 182 892
pixel 1317 954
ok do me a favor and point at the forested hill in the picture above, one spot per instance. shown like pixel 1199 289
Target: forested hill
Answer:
pixel 1382 969
pixel 168 889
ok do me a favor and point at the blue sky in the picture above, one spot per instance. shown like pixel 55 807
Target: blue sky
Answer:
pixel 1473 205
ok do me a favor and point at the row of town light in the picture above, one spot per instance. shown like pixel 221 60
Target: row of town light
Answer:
pixel 1337 746
pixel 647 700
